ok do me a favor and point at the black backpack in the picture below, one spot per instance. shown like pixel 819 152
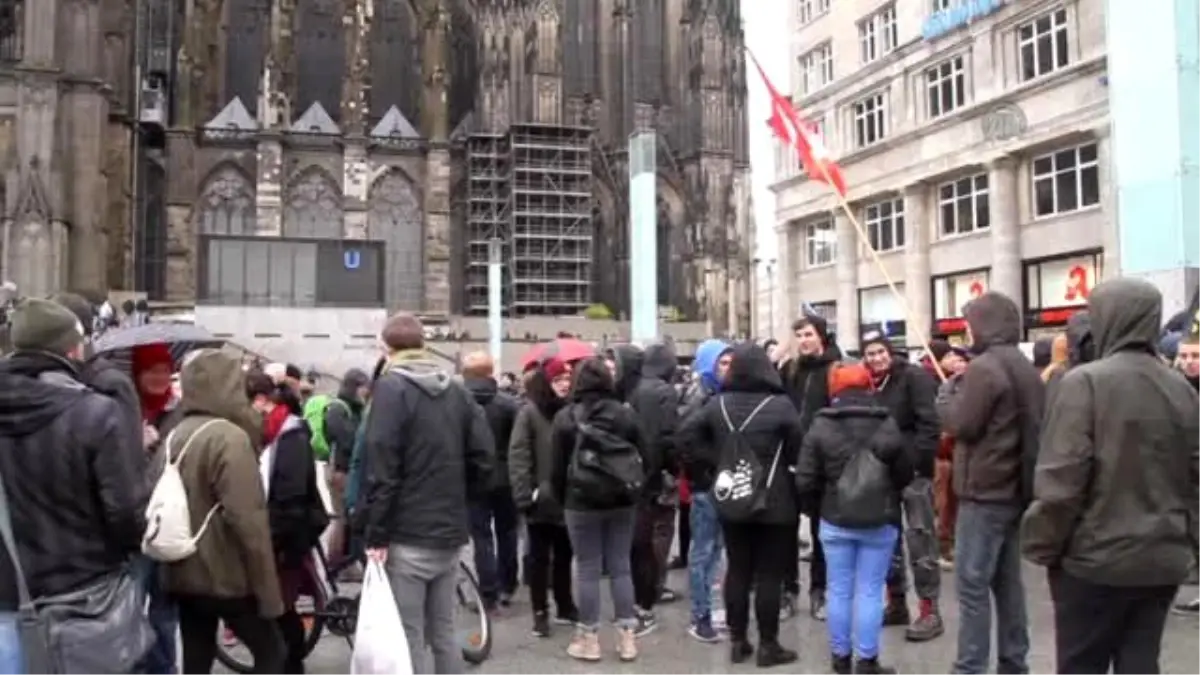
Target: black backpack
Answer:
pixel 605 471
pixel 740 488
pixel 864 491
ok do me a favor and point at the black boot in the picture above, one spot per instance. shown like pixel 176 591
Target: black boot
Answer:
pixel 896 613
pixel 872 667
pixel 841 665
pixel 771 654
pixel 740 650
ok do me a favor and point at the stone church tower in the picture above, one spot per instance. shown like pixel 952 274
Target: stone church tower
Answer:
pixel 345 121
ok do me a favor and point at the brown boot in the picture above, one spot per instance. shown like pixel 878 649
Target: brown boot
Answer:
pixel 627 649
pixel 585 645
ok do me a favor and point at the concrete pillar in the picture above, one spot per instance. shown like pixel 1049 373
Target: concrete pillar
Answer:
pixel 1111 258
pixel 918 290
pixel 847 283
pixel 782 298
pixel 1156 147
pixel 437 230
pixel 1005 212
pixel 268 188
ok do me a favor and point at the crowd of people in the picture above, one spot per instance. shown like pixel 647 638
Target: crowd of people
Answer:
pixel 968 460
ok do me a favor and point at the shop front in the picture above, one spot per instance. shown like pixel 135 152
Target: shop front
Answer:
pixel 951 293
pixel 881 312
pixel 1057 288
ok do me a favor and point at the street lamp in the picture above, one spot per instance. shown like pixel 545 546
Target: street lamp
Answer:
pixel 769 264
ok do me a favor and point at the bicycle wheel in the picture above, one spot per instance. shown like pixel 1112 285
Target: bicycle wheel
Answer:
pixel 473 624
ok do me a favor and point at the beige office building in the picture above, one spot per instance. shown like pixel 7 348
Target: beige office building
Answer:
pixel 973 135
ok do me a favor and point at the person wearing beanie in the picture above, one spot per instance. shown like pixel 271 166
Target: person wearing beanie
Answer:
pixel 909 392
pixel 530 458
pixel 805 375
pixel 858 535
pixel 72 465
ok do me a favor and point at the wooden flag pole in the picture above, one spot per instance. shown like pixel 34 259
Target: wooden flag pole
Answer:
pixel 891 283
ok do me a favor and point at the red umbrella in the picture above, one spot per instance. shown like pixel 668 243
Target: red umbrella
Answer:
pixel 562 349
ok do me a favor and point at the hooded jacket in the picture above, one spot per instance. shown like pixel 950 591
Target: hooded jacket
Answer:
pixel 1116 489
pixel 294 506
pixel 530 452
pixel 806 379
pixel 855 422
pixel 73 470
pixel 644 382
pixel 751 379
pixel 908 391
pixel 500 409
pixel 234 558
pixel 425 458
pixel 594 401
pixel 342 418
pixel 705 365
pixel 983 412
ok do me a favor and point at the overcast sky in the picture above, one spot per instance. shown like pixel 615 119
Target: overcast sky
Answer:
pixel 766 32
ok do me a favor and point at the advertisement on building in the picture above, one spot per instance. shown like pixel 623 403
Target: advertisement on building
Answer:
pixel 1055 289
pixel 951 293
pixel 880 311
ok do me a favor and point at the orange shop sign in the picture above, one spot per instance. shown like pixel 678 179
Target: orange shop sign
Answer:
pixel 1062 283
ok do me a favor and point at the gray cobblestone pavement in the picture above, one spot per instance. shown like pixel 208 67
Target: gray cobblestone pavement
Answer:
pixel 670 650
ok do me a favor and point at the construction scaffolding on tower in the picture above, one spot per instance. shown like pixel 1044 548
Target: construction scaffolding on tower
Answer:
pixel 551 253
pixel 488 199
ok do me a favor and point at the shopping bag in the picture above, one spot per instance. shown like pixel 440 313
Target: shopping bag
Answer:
pixel 380 646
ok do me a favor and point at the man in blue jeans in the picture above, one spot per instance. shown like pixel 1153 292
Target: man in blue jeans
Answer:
pixel 988 409
pixel 711 364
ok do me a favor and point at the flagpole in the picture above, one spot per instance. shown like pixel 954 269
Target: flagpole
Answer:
pixel 922 336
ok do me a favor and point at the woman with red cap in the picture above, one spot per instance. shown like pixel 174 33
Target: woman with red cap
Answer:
pixel 152 370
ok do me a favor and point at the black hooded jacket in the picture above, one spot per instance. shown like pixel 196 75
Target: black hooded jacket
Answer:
pixel 74 473
pixel 294 506
pixel 855 422
pixel 342 418
pixel 751 379
pixel 644 382
pixel 530 450
pixel 806 379
pixel 594 401
pixel 501 411
pixel 908 392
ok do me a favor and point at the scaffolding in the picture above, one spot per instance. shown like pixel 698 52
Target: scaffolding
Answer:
pixel 531 189
pixel 550 251
pixel 487 215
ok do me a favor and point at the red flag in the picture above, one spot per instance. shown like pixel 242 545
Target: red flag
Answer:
pixel 789 127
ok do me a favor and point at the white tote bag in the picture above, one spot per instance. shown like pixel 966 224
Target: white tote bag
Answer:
pixel 380 645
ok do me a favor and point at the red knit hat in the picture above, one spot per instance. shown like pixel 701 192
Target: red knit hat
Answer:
pixel 849 376
pixel 146 357
pixel 555 367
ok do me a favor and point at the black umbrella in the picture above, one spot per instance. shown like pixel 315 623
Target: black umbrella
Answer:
pixel 117 344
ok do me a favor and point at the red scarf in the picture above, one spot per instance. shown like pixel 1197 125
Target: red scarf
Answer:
pixel 273 423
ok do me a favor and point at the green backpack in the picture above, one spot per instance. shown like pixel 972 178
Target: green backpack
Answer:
pixel 314 415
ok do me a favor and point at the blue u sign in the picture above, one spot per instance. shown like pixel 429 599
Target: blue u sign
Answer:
pixel 352 259
pixel 960 14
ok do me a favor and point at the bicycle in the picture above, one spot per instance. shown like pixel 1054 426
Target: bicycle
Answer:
pixel 327 608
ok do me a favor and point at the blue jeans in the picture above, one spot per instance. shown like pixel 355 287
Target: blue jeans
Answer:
pixel 494 535
pixel 857 562
pixel 705 554
pixel 602 539
pixel 987 564
pixel 161 658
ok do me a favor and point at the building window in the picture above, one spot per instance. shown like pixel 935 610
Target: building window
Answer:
pixel 809 10
pixel 885 225
pixel 12 20
pixel 947 86
pixel 870 119
pixel 1043 44
pixel 939 5
pixel 820 241
pixel 1066 181
pixel 963 205
pixel 878 35
pixel 816 69
pixel 258 271
pixel 817 127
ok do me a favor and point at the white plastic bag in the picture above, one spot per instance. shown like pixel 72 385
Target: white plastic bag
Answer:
pixel 380 644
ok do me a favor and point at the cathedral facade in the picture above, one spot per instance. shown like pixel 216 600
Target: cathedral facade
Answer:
pixel 316 152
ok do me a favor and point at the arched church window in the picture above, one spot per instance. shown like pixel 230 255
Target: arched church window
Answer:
pixel 395 59
pixel 320 56
pixel 12 16
pixel 226 205
pixel 246 27
pixel 395 218
pixel 313 209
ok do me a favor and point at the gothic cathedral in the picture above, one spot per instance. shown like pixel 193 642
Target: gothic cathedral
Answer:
pixel 176 147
